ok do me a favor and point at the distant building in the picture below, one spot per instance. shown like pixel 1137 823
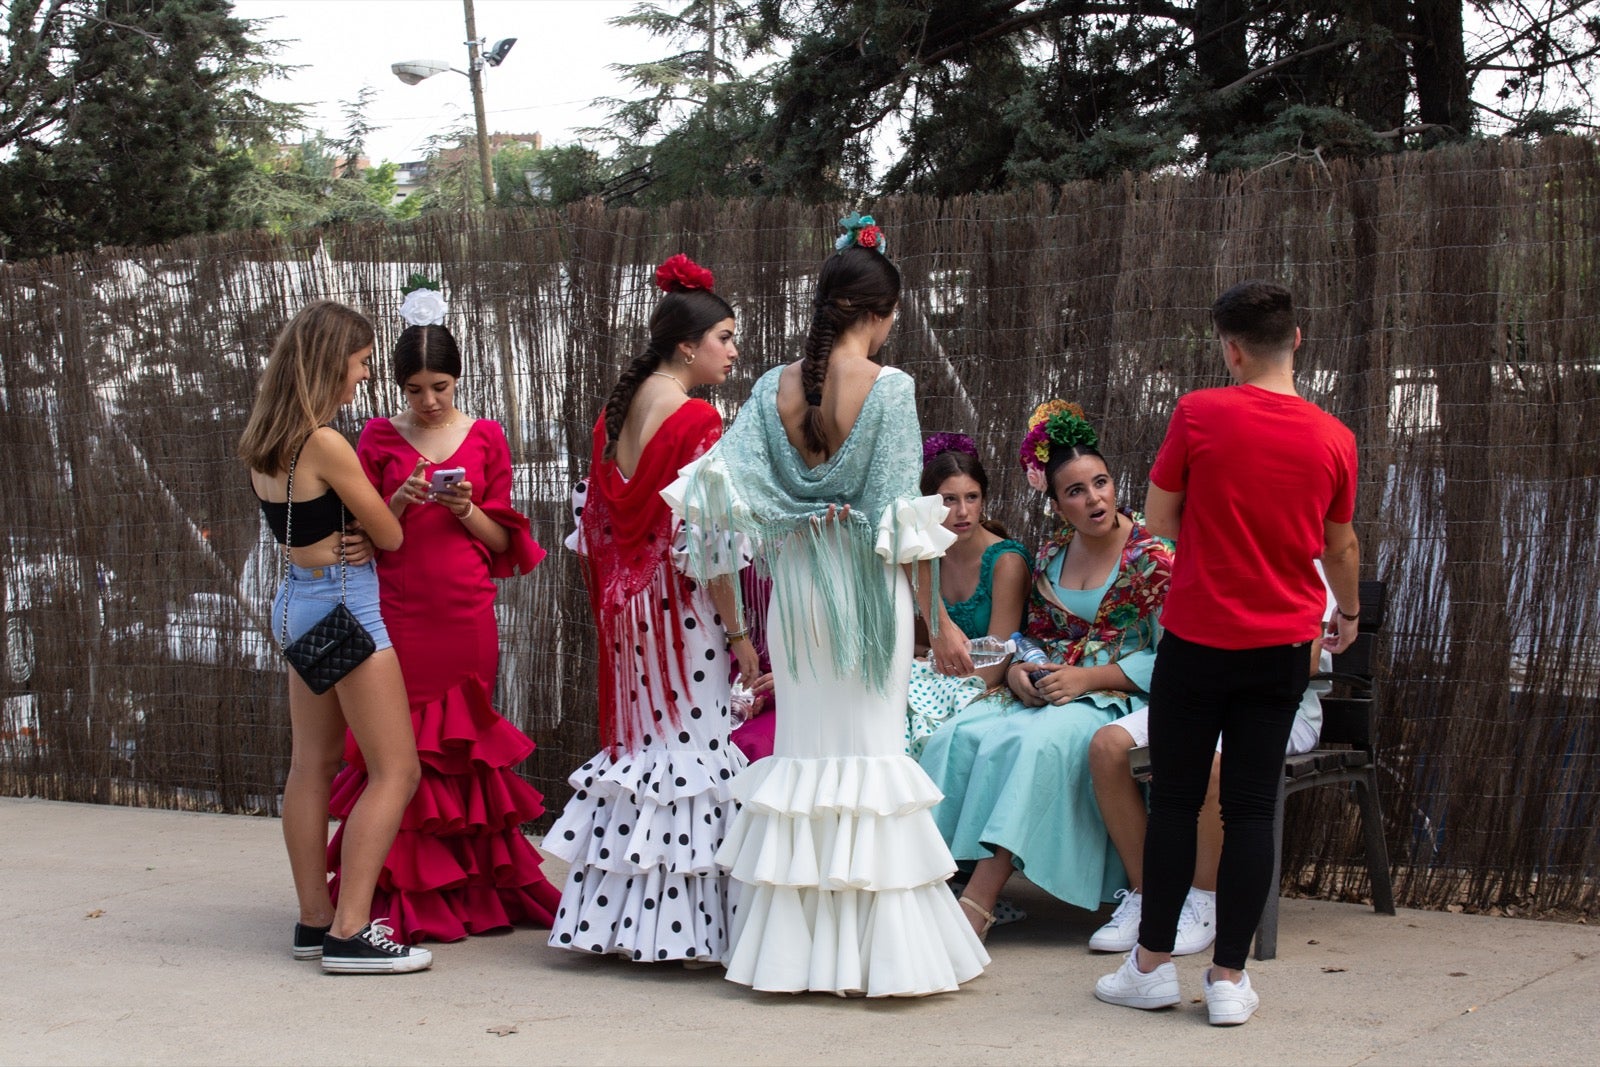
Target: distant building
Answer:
pixel 408 178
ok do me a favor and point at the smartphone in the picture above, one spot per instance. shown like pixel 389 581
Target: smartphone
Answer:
pixel 1139 762
pixel 445 478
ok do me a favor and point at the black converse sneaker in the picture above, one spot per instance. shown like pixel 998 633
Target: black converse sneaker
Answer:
pixel 372 952
pixel 308 941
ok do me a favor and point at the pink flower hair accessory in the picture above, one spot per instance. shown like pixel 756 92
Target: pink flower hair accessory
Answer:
pixel 680 274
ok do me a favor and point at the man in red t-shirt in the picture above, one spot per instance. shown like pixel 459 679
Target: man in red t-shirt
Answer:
pixel 1255 484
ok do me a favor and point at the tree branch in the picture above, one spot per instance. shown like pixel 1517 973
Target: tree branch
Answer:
pixel 1278 64
pixel 1062 9
pixel 1406 131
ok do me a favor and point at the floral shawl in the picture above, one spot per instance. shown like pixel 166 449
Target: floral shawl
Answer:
pixel 1127 622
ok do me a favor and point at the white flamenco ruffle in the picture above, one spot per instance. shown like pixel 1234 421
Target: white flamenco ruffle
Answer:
pixel 842 823
pixel 716 553
pixel 910 530
pixel 710 467
pixel 847 823
pixel 640 811
pixel 881 785
pixel 896 943
pixel 648 917
pixel 836 851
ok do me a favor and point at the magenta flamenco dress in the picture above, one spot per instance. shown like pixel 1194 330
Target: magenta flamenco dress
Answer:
pixel 460 864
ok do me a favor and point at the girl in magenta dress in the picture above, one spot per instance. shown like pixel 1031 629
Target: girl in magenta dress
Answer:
pixel 460 864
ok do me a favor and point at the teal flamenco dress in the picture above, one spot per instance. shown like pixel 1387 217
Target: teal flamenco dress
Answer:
pixel 1016 777
pixel 933 697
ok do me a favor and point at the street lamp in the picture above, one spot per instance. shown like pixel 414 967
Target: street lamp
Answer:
pixel 416 70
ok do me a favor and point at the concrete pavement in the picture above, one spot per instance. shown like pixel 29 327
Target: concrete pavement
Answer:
pixel 141 936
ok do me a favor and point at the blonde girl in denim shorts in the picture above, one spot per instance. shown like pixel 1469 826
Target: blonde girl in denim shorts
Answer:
pixel 317 363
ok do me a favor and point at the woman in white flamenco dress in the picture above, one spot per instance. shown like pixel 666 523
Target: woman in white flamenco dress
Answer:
pixel 841 869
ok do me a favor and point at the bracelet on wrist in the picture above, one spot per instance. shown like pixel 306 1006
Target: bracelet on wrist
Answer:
pixel 465 515
pixel 1346 616
pixel 735 635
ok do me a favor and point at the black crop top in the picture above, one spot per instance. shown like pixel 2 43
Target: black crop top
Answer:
pixel 313 519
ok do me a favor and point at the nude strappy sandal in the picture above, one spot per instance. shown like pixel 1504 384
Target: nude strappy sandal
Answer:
pixel 986 916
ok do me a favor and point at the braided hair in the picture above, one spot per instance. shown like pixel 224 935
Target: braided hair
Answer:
pixel 683 315
pixel 853 284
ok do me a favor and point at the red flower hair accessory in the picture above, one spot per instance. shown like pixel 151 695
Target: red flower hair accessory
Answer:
pixel 680 274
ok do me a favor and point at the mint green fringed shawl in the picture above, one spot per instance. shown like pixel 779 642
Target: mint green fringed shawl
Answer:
pixel 754 482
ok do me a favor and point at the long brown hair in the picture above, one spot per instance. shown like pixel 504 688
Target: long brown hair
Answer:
pixel 852 284
pixel 951 462
pixel 682 316
pixel 304 382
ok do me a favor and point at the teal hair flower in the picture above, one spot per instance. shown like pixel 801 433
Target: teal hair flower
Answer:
pixel 862 231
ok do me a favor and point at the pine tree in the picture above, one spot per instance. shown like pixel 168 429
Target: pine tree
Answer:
pixel 126 121
pixel 954 96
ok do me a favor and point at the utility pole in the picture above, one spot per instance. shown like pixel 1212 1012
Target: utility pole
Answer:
pixel 475 76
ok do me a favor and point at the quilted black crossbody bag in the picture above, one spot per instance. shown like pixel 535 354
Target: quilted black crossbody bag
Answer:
pixel 337 643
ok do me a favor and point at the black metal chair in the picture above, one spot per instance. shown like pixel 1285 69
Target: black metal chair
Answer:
pixel 1343 757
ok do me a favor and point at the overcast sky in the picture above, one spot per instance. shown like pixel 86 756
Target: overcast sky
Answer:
pixel 560 64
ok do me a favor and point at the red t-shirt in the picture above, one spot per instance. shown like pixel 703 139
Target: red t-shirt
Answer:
pixel 1260 473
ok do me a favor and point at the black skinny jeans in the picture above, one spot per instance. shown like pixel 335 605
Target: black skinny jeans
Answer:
pixel 1249 696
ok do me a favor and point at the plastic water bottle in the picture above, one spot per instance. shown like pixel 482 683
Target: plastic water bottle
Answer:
pixel 1030 652
pixel 986 651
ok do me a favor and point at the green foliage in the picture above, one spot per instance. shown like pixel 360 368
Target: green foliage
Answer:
pixel 690 132
pixel 839 99
pixel 451 181
pixel 546 177
pixel 315 182
pixel 1300 130
pixel 127 121
pixel 307 185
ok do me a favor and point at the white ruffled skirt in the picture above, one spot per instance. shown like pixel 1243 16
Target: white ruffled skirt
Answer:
pixel 642 829
pixel 841 870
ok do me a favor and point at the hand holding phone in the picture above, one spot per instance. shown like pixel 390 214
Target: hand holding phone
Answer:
pixel 446 478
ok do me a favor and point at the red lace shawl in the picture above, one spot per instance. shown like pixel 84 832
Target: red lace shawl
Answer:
pixel 627 536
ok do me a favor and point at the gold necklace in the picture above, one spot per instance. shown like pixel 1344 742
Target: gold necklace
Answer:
pixel 673 379
pixel 442 426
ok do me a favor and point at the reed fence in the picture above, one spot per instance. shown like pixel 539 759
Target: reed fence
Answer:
pixel 1450 302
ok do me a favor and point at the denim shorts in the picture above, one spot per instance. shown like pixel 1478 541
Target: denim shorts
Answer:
pixel 312 592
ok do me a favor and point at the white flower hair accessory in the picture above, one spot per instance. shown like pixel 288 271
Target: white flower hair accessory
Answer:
pixel 422 306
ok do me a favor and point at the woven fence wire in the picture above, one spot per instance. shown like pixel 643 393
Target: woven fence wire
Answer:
pixel 1449 303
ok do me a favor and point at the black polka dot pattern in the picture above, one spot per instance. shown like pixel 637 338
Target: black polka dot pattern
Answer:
pixel 643 827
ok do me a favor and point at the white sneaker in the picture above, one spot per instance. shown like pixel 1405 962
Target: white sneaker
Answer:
pixel 1122 932
pixel 1197 924
pixel 1229 1003
pixel 1132 988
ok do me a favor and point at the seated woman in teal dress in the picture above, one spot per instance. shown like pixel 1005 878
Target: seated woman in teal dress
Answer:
pixel 983 580
pixel 1014 767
